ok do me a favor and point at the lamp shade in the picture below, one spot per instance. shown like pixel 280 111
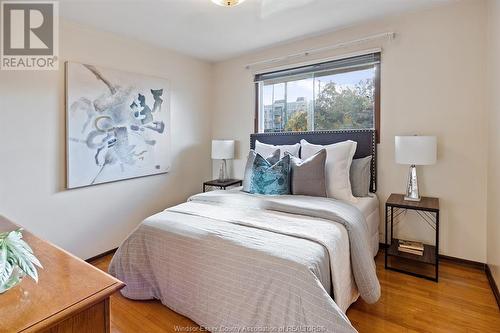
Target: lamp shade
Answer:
pixel 416 150
pixel 222 149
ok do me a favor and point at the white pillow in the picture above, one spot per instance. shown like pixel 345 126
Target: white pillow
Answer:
pixel 265 150
pixel 338 163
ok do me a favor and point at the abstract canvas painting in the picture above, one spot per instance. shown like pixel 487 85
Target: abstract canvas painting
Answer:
pixel 118 125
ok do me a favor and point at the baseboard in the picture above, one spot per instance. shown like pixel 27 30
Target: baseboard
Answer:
pixel 493 285
pixel 464 262
pixel 99 256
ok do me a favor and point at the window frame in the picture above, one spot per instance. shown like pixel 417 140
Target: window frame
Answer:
pixel 376 111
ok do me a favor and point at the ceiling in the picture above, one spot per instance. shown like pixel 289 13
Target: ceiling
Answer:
pixel 204 30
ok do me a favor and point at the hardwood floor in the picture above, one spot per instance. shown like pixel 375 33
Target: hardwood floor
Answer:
pixel 462 301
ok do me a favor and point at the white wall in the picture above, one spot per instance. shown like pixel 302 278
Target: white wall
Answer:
pixel 494 140
pixel 433 82
pixel 92 220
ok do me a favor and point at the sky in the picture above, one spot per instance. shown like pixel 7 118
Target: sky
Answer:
pixel 304 88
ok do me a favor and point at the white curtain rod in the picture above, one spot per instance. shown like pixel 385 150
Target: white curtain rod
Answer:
pixel 389 35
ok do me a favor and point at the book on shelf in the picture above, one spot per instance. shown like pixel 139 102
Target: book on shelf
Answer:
pixel 411 251
pixel 412 245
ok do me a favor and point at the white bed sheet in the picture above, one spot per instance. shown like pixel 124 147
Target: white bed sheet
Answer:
pixel 370 207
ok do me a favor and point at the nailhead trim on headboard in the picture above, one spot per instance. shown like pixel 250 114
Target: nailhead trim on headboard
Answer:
pixel 365 138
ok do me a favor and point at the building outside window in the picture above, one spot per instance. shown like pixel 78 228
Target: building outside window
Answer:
pixel 340 94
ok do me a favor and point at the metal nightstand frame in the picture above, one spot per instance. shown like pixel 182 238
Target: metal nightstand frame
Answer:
pixel 222 185
pixel 425 213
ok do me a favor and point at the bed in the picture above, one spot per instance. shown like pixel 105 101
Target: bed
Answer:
pixel 235 261
pixel 366 139
pixel 370 207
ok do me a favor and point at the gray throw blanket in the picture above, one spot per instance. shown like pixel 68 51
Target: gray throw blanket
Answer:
pixel 363 265
pixel 234 261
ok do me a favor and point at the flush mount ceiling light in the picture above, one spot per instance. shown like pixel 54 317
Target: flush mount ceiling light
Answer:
pixel 227 3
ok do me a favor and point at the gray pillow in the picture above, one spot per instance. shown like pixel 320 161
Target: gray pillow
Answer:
pixel 360 175
pixel 308 176
pixel 247 179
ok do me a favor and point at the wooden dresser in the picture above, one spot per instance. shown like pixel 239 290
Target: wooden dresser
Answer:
pixel 71 295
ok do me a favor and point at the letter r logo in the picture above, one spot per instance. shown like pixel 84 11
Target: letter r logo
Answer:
pixel 28 28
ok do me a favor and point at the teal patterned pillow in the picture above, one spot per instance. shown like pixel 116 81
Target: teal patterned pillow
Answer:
pixel 270 179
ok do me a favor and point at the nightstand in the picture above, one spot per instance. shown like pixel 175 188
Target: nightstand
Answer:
pixel 414 264
pixel 221 185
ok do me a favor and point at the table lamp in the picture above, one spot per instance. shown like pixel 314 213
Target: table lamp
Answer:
pixel 222 150
pixel 415 150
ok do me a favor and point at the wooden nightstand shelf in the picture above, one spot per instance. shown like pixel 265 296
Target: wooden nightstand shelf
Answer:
pixel 222 185
pixel 416 265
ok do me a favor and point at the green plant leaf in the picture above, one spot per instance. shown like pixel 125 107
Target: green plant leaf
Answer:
pixel 27 251
pixel 6 273
pixel 3 257
pixel 21 254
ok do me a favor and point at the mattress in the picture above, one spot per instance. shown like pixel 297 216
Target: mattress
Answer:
pixel 370 207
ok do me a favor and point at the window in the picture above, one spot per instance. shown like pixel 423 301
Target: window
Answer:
pixel 340 94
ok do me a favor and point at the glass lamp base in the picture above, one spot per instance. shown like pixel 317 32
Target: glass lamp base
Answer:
pixel 223 171
pixel 412 185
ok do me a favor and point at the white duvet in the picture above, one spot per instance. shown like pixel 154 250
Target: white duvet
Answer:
pixel 229 262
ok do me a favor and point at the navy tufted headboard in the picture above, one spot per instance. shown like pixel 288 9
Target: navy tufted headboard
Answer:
pixel 364 137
